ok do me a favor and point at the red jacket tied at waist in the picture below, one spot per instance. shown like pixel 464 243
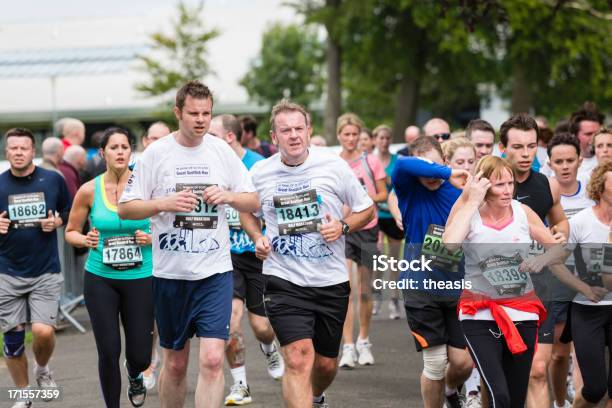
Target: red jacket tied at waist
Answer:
pixel 471 302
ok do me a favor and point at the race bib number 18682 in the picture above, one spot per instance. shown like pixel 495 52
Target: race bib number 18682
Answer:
pixel 26 210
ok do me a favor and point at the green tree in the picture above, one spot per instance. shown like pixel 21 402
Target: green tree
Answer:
pixel 289 64
pixel 179 57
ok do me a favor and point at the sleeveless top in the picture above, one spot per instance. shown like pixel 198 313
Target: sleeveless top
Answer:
pixel 492 259
pixel 117 255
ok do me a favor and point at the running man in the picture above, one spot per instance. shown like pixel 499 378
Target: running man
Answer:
pixel 34 202
pixel 302 193
pixel 184 184
pixel 248 282
pixel 519 141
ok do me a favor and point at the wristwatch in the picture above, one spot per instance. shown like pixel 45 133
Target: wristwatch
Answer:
pixel 345 227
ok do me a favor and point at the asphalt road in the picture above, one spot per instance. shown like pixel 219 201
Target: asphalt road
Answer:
pixel 393 382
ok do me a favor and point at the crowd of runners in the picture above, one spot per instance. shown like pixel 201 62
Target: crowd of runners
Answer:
pixel 507 239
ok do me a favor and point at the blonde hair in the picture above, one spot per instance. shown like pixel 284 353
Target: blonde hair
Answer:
pixel 602 131
pixel 598 180
pixel 493 166
pixel 348 119
pixel 381 128
pixel 451 146
pixel 285 105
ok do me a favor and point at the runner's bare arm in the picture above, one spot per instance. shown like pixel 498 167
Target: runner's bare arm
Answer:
pixel 394 209
pixel 556 216
pixel 78 215
pixel 251 225
pixel 381 189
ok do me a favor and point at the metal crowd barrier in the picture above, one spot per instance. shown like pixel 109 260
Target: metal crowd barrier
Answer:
pixel 72 270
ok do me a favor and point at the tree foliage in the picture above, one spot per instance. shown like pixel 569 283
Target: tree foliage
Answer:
pixel 180 56
pixel 289 64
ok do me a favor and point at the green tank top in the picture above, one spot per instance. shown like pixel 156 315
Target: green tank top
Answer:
pixel 117 255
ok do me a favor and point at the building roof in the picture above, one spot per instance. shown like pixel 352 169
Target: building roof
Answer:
pixel 49 63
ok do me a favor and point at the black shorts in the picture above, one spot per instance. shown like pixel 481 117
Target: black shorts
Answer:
pixel 390 228
pixel 433 321
pixel 559 309
pixel 249 281
pixel 546 331
pixel 298 313
pixel 361 247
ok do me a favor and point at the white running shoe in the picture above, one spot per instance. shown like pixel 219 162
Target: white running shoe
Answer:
pixel 275 363
pixel 348 357
pixel 394 313
pixel 239 395
pixel 365 355
pixel 321 404
pixel 22 404
pixel 566 405
pixel 473 401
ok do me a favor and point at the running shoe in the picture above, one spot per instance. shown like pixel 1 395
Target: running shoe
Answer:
pixel 321 404
pixel 566 405
pixel 136 392
pixel 45 381
pixel 365 354
pixel 348 357
pixel 473 401
pixel 394 313
pixel 22 404
pixel 274 362
pixel 454 401
pixel 239 395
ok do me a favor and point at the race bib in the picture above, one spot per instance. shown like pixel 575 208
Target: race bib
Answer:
pixel 27 210
pixel 204 216
pixel 601 259
pixel 121 253
pixel 233 218
pixel 433 248
pixel 297 213
pixel 502 272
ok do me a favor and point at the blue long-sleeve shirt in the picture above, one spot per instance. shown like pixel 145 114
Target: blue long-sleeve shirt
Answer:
pixel 421 207
pixel 28 251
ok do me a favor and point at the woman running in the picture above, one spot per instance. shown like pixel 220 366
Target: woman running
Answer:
pixel 591 322
pixel 118 272
pixel 500 314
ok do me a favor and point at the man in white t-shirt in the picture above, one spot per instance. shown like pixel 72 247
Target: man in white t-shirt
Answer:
pixel 302 193
pixel 184 183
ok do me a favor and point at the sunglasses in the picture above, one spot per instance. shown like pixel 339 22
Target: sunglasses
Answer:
pixel 443 136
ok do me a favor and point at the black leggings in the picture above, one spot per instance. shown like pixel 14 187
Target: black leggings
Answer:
pixel 107 299
pixel 505 375
pixel 592 332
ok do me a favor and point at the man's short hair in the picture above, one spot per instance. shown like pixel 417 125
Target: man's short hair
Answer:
pixel 563 139
pixel 249 124
pixel 423 144
pixel 159 122
pixel 51 146
pixel 231 124
pixel 23 132
pixel 588 112
pixel 520 121
pixel 285 105
pixel 478 124
pixel 195 89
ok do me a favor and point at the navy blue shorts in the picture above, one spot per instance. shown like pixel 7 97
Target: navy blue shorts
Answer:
pixel 184 308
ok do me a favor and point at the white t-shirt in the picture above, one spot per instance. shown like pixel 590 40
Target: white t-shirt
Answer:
pixel 590 233
pixel 196 245
pixel 573 204
pixel 294 203
pixel 586 168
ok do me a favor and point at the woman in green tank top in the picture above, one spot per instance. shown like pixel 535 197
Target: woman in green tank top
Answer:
pixel 117 272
